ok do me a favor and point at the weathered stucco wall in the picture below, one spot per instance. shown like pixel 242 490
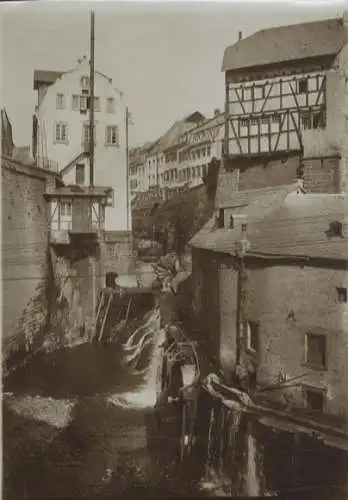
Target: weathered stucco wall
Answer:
pixel 288 302
pixel 311 294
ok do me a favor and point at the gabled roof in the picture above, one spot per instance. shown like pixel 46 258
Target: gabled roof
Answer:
pixel 69 166
pixel 289 223
pixel 170 138
pixel 286 43
pixel 42 76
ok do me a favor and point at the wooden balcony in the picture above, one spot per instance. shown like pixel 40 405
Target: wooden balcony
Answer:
pixel 77 213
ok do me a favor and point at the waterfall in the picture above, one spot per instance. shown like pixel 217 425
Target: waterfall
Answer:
pixel 253 486
pixel 148 334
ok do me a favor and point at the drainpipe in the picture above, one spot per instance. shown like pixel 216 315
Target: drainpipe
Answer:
pixel 242 246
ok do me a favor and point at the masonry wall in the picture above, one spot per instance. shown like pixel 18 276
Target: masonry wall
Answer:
pixel 269 173
pixel 323 175
pixel 205 302
pixel 311 294
pixel 288 302
pixel 118 254
pixel 24 257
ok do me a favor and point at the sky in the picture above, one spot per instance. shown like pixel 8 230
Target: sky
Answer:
pixel 165 57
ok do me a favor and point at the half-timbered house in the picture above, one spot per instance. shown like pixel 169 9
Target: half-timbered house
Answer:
pixel 285 94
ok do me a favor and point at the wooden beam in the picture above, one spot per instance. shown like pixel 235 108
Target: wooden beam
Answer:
pixel 236 136
pixel 267 96
pixel 280 131
pixel 240 101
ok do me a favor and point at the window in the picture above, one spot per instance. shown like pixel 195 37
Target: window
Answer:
pixel 265 120
pixel 259 91
pixel 254 121
pixel 97 104
pixel 220 219
pixel 86 134
pixel 84 82
pixel 315 350
pixel 83 102
pixel 80 174
pixel 342 294
pixel 65 209
pixel 75 102
pixel 252 334
pixel 302 86
pixel 317 119
pixel 112 138
pixel 61 132
pixel 305 120
pixel 110 105
pixel 110 199
pixel 208 151
pixel 275 118
pixel 243 122
pixel 111 251
pixel 60 101
pixel 314 398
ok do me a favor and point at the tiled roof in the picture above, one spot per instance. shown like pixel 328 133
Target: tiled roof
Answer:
pixel 301 227
pixel 283 224
pixel 255 204
pixel 170 138
pixel 81 156
pixel 286 43
pixel 46 77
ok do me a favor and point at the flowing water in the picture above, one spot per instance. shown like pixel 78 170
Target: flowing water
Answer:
pixel 80 421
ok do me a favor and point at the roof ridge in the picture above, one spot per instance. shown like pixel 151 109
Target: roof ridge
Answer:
pixel 307 23
pixel 278 187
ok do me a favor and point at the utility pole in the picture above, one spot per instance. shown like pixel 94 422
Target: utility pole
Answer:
pixel 127 166
pixel 91 104
pixel 242 247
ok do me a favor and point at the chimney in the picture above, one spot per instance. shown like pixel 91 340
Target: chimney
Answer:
pixel 240 35
pixel 217 112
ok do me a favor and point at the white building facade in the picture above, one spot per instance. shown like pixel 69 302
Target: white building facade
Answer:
pixel 61 135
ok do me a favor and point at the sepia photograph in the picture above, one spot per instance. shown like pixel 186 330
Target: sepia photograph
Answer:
pixel 174 244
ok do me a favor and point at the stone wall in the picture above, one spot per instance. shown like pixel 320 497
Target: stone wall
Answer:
pixel 277 301
pixel 322 175
pixel 24 258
